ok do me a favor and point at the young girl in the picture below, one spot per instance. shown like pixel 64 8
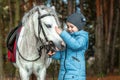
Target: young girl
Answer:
pixel 72 59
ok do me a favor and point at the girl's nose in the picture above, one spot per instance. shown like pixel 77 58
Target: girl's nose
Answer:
pixel 69 29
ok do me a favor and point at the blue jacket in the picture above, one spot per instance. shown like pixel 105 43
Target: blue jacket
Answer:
pixel 72 59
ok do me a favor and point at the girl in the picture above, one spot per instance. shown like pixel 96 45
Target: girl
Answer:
pixel 72 59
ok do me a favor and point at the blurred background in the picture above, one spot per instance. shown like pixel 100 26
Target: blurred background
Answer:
pixel 103 21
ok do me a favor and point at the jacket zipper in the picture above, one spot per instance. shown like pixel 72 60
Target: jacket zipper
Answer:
pixel 64 63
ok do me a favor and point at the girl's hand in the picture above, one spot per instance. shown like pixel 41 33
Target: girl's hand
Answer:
pixel 50 53
pixel 58 30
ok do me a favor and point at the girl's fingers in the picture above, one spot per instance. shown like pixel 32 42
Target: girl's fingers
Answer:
pixel 51 53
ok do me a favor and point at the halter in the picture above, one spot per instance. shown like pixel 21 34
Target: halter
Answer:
pixel 49 45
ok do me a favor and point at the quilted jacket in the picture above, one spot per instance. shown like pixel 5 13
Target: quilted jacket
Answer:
pixel 72 59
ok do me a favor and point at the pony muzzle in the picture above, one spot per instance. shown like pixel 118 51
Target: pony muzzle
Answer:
pixel 56 47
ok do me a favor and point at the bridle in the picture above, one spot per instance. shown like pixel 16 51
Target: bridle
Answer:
pixel 48 45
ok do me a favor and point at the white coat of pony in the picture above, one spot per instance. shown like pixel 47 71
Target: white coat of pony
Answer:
pixel 28 60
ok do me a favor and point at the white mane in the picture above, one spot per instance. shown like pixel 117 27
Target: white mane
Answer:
pixel 35 8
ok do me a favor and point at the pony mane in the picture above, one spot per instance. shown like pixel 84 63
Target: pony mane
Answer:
pixel 28 14
pixel 37 8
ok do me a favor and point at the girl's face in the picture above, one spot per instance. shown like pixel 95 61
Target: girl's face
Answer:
pixel 71 28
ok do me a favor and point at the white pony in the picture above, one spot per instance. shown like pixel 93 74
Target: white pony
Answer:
pixel 37 36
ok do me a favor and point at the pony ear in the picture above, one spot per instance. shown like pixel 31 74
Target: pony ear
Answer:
pixel 53 7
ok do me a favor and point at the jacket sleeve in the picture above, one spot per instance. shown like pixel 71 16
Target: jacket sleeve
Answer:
pixel 74 44
pixel 56 55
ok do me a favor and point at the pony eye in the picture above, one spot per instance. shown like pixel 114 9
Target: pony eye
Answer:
pixel 48 25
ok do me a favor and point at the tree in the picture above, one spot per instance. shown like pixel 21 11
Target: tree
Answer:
pixel 17 12
pixel 1 41
pixel 106 32
pixel 1 55
pixel 99 38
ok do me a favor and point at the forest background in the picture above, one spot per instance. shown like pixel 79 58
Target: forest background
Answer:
pixel 103 20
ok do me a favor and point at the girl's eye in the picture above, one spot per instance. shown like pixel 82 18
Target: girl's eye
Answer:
pixel 71 26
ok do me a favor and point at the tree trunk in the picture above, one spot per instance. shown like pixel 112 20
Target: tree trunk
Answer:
pixel 105 11
pixel 70 7
pixel 118 33
pixel 1 54
pixel 1 61
pixel 11 16
pixel 99 53
pixel 17 12
pixel 81 5
pixel 114 40
pixel 119 59
pixel 110 24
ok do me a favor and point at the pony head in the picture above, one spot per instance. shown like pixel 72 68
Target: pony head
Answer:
pixel 42 22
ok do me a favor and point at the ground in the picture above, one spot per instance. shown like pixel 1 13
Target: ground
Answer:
pixel 110 77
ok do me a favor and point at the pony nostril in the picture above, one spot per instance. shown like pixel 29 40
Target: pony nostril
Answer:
pixel 62 44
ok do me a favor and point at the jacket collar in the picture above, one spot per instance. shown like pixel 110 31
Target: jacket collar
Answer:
pixel 76 33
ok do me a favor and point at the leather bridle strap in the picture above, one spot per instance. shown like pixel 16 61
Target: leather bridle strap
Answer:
pixel 41 27
pixel 48 46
